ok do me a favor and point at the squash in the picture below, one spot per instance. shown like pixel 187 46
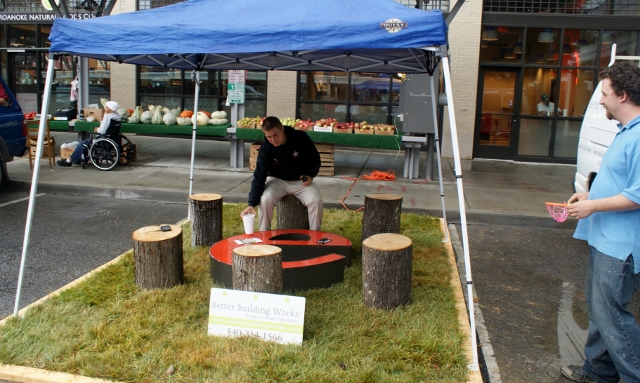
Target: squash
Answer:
pixel 186 121
pixel 176 112
pixel 219 114
pixel 187 113
pixel 219 121
pixel 201 119
pixel 124 113
pixel 205 112
pixel 135 116
pixel 169 119
pixel 157 116
pixel 145 117
pixel 130 111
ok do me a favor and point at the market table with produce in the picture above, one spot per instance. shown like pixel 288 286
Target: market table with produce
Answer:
pixel 207 130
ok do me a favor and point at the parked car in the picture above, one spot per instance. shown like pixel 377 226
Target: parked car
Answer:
pixel 13 129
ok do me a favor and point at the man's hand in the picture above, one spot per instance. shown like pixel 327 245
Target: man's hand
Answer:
pixel 306 180
pixel 578 197
pixel 579 206
pixel 248 210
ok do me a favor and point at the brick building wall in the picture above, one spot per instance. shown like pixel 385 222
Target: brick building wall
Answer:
pixel 464 48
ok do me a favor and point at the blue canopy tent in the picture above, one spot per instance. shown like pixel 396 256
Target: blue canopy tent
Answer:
pixel 300 35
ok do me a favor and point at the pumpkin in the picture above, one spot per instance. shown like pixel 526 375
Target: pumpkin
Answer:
pixel 186 121
pixel 187 113
pixel 219 121
pixel 205 113
pixel 201 119
pixel 145 117
pixel 169 119
pixel 124 113
pixel 219 114
pixel 130 111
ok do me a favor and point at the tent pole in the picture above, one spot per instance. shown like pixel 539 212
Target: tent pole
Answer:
pixel 195 76
pixel 434 98
pixel 34 179
pixel 463 216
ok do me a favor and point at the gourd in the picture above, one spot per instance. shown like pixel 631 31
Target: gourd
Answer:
pixel 176 112
pixel 157 116
pixel 124 113
pixel 219 121
pixel 219 114
pixel 186 121
pixel 135 116
pixel 103 101
pixel 187 113
pixel 201 119
pixel 169 119
pixel 145 118
pixel 205 112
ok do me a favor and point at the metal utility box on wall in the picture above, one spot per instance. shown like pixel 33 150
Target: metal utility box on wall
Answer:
pixel 416 104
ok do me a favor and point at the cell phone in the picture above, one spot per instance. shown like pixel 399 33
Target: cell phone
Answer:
pixel 324 240
pixel 304 178
pixel 165 228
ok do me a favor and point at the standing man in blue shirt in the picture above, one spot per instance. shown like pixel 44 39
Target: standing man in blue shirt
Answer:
pixel 610 221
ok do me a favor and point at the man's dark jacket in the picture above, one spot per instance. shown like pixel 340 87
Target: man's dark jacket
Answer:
pixel 287 162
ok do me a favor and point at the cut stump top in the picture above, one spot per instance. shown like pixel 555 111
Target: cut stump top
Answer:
pixel 387 241
pixel 205 197
pixel 257 250
pixel 154 234
pixel 388 197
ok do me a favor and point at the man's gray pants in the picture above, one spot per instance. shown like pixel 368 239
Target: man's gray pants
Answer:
pixel 276 189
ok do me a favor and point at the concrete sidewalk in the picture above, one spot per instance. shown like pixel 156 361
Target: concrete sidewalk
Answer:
pixel 162 171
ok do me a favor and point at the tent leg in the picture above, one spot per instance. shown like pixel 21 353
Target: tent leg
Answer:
pixel 236 154
pixel 196 78
pixel 436 138
pixel 34 179
pixel 463 216
pixel 429 169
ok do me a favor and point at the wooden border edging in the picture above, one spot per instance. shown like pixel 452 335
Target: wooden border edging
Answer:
pixel 461 307
pixel 36 375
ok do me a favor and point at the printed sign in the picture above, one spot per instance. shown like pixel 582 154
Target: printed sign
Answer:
pixel 235 88
pixel 270 317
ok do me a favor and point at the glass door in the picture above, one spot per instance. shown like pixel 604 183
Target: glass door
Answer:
pixel 26 80
pixel 496 118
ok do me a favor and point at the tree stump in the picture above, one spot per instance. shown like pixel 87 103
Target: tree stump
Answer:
pixel 205 211
pixel 257 268
pixel 291 214
pixel 386 270
pixel 381 214
pixel 158 257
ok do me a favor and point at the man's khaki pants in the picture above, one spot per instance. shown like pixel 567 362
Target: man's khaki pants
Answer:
pixel 276 189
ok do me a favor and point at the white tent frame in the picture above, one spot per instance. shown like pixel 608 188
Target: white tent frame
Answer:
pixel 441 51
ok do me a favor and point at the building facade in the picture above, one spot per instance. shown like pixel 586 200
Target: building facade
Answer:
pixel 522 73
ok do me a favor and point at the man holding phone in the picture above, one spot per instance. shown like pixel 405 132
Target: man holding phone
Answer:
pixel 288 161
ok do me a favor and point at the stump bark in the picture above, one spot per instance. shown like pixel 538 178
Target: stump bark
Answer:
pixel 386 270
pixel 205 211
pixel 291 214
pixel 257 268
pixel 158 257
pixel 381 214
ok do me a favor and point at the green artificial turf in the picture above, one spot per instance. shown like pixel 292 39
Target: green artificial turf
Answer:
pixel 107 328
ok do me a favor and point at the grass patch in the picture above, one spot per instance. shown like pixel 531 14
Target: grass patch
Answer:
pixel 107 328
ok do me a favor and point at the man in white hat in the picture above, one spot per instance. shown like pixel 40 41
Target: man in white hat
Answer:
pixel 110 114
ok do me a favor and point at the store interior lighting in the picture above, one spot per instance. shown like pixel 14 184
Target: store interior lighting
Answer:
pixel 546 36
pixel 517 49
pixel 509 53
pixel 490 34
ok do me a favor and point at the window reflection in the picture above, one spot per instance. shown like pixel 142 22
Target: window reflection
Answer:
pixel 502 44
pixel 580 47
pixel 626 43
pixel 566 139
pixel 576 87
pixel 542 46
pixel 535 135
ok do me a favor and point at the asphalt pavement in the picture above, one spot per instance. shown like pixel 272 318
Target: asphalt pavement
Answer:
pixel 515 245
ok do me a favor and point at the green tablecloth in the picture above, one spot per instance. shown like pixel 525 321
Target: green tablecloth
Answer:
pixel 209 130
pixel 59 125
pixel 354 140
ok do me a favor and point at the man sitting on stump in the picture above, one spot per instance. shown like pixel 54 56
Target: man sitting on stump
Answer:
pixel 287 163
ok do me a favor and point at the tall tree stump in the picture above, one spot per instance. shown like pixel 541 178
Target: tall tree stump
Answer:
pixel 158 257
pixel 257 268
pixel 381 214
pixel 205 211
pixel 386 270
pixel 291 214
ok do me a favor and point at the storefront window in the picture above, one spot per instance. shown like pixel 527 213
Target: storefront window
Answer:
pixel 580 47
pixel 538 92
pixel 576 87
pixel 174 88
pixel 358 97
pixel 542 46
pixel 626 45
pixel 501 44
pixel 22 36
pixel 535 135
pixel 566 139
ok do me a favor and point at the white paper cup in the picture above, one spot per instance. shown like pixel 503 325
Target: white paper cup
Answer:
pixel 248 220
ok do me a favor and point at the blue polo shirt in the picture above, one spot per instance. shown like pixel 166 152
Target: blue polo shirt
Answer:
pixel 617 234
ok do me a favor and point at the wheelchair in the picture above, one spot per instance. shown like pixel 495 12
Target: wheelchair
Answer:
pixel 108 150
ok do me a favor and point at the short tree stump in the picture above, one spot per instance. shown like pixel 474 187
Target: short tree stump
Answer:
pixel 257 268
pixel 158 257
pixel 291 214
pixel 386 270
pixel 381 214
pixel 205 211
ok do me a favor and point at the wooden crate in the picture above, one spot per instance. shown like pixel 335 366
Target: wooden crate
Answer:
pixel 363 131
pixel 326 152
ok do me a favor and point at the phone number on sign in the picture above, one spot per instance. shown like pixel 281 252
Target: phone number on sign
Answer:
pixel 256 334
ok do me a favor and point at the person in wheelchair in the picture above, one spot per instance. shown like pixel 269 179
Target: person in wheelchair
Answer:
pixel 78 155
